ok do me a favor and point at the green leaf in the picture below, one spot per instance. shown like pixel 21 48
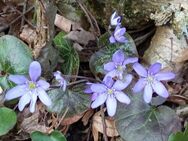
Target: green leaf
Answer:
pixel 8 119
pixel 75 101
pixel 70 56
pixel 54 136
pixel 15 57
pixel 141 122
pixel 179 136
pixel 104 55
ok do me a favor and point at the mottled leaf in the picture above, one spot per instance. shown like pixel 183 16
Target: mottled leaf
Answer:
pixel 15 58
pixel 70 65
pixel 7 120
pixel 54 136
pixel 141 122
pixel 75 101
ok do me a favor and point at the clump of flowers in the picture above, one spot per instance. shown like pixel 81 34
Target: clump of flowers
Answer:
pixel 117 67
pixel 29 89
pixel 61 81
pixel 119 33
pixel 150 81
pixel 109 92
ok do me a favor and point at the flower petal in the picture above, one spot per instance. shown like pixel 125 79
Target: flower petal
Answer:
pixel 119 32
pixel 148 93
pixel 112 74
pixel 164 76
pixel 160 89
pixel 18 79
pixel 99 100
pixel 112 39
pixel 140 84
pixel 115 19
pixel 98 88
pixel 88 90
pixel 130 60
pixel 64 85
pixel 24 100
pixel 43 96
pixel 154 68
pixel 43 84
pixel 57 75
pixel 121 39
pixel 94 96
pixel 109 66
pixel 111 104
pixel 122 84
pixel 34 71
pixel 140 70
pixel 122 97
pixel 16 92
pixel 118 57
pixel 33 101
pixel 108 81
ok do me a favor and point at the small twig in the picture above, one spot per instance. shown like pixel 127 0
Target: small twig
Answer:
pixel 76 82
pixel 104 124
pixel 89 132
pixel 90 17
pixel 141 39
pixel 23 15
pixel 64 114
pixel 82 77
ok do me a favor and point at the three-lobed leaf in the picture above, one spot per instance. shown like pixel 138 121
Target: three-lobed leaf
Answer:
pixel 15 58
pixel 75 101
pixel 141 122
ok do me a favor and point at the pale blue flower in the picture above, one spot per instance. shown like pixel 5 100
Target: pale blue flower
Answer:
pixel 109 92
pixel 150 81
pixel 61 81
pixel 29 89
pixel 115 19
pixel 117 67
pixel 118 35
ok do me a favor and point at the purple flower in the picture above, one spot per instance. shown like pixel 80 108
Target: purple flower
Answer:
pixel 29 89
pixel 89 91
pixel 118 35
pixel 109 92
pixel 117 66
pixel 115 19
pixel 62 82
pixel 150 81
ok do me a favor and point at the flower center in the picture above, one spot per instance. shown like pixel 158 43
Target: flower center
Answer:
pixel 110 91
pixel 120 68
pixel 32 85
pixel 150 79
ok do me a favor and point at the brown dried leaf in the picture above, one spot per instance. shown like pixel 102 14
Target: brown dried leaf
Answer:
pixel 28 35
pixel 31 123
pixel 97 126
pixel 87 116
pixel 71 120
pixel 65 24
pixel 167 49
pixel 81 36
